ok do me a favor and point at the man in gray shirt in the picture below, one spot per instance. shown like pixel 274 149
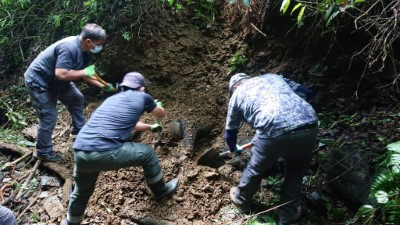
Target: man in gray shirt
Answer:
pixel 49 79
pixel 285 124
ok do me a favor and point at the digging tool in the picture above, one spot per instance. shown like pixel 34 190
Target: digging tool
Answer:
pixel 238 151
pixel 215 158
pixel 97 78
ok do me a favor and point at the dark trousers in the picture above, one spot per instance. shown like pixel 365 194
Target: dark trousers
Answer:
pixel 45 104
pixel 88 166
pixel 296 147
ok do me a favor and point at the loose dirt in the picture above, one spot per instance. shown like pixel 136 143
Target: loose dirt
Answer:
pixel 187 69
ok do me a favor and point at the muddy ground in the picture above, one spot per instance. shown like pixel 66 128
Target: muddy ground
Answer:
pixel 187 68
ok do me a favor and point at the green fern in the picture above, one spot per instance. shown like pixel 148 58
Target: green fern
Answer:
pixel 388 182
pixel 386 188
pixel 395 147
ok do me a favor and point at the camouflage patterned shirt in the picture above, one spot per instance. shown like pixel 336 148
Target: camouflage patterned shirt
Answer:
pixel 269 105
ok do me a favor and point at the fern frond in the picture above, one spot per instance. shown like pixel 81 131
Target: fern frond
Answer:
pixel 388 182
pixel 394 159
pixel 395 147
pixel 392 212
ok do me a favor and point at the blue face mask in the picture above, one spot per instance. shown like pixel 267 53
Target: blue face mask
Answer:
pixel 97 49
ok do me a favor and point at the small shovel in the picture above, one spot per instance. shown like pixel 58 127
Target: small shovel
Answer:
pixel 215 159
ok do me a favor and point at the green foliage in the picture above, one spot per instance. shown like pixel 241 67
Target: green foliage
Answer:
pixel 173 4
pixel 203 10
pixel 386 189
pixel 237 61
pixel 15 112
pixel 127 35
pixel 262 220
pixel 14 137
pixel 328 9
pixel 35 217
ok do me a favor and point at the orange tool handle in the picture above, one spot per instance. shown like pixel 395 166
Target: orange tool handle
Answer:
pixel 248 145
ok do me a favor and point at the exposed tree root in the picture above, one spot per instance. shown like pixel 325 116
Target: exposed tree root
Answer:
pixel 59 169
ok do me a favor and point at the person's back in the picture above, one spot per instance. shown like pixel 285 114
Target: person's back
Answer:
pixel 113 121
pixel 42 68
pixel 286 126
pixel 270 106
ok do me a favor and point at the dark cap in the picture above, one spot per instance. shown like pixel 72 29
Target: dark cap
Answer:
pixel 133 80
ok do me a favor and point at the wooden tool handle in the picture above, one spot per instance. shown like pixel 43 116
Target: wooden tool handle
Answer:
pixel 96 77
pixel 248 145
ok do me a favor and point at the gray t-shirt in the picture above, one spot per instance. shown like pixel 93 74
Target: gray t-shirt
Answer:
pixel 65 53
pixel 113 121
pixel 268 104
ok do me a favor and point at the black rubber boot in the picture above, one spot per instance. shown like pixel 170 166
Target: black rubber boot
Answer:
pixel 161 189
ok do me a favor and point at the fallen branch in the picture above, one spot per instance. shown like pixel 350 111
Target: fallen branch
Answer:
pixel 26 183
pixel 259 31
pixel 59 169
pixel 30 205
pixel 15 162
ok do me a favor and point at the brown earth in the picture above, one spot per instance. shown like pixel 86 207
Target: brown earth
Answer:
pixel 187 68
pixel 188 71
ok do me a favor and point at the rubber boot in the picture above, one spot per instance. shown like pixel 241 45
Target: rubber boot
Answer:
pixel 161 189
pixel 65 222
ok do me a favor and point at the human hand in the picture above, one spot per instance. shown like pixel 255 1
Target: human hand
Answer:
pixel 109 88
pixel 237 150
pixel 156 127
pixel 89 71
pixel 158 103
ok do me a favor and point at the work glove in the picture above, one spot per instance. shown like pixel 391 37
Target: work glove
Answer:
pixel 156 127
pixel 108 88
pixel 158 103
pixel 237 150
pixel 89 71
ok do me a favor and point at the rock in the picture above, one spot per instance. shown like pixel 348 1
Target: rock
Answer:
pixel 53 207
pixel 47 182
pixel 30 133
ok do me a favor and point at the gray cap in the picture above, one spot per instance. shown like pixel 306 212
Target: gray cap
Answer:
pixel 236 78
pixel 133 80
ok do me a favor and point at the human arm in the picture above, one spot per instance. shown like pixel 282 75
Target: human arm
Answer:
pixel 140 126
pixel 65 74
pixel 158 112
pixel 231 139
pixel 299 89
pixel 68 62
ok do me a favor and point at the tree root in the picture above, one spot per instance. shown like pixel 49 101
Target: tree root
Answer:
pixel 59 169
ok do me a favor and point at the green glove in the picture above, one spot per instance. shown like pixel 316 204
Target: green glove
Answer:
pixel 89 71
pixel 156 127
pixel 158 103
pixel 109 88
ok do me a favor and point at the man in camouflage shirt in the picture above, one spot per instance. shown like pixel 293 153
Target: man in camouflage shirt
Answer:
pixel 285 124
